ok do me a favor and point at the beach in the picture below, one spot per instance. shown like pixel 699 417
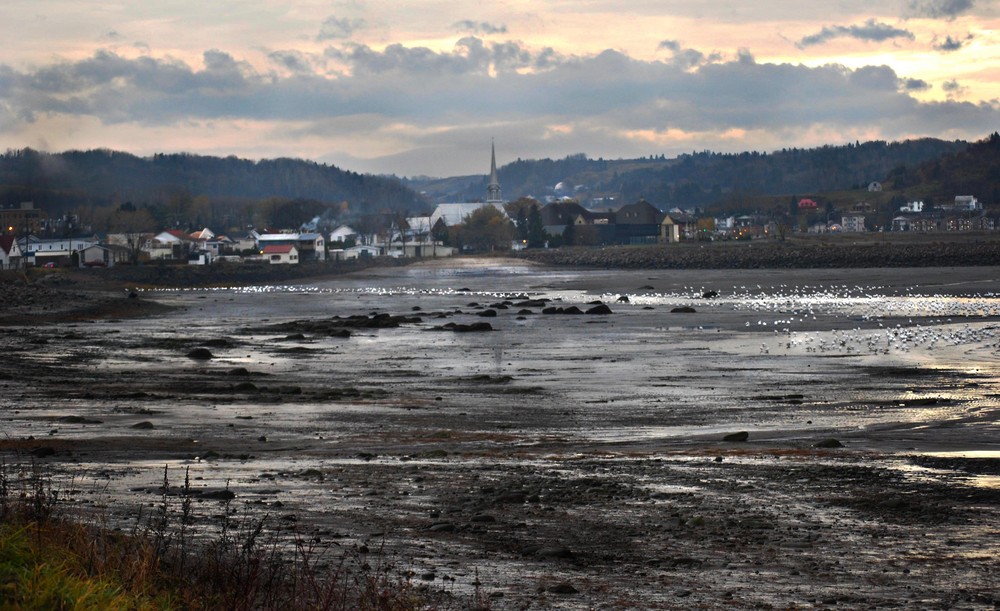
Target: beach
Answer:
pixel 800 438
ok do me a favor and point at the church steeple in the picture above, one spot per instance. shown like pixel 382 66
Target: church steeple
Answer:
pixel 493 188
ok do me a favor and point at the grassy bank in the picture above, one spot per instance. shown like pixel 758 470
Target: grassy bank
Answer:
pixel 165 561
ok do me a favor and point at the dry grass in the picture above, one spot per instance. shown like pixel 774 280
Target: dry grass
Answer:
pixel 162 562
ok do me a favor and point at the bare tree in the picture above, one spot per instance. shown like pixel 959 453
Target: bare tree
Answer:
pixel 133 225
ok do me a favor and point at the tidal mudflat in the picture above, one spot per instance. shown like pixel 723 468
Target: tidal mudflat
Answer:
pixel 709 439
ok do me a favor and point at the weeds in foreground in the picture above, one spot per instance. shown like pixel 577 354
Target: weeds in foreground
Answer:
pixel 162 562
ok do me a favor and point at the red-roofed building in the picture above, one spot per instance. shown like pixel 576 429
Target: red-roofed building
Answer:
pixel 806 204
pixel 280 254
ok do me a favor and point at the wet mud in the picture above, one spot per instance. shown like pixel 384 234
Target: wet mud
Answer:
pixel 797 440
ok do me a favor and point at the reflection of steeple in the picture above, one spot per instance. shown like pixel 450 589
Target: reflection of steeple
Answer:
pixel 493 188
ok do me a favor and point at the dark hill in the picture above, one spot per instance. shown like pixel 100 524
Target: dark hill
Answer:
pixel 699 179
pixel 59 182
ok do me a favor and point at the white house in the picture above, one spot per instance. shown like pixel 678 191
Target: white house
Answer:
pixel 39 252
pixel 967 202
pixel 853 223
pixel 280 254
pixel 454 214
pixel 343 234
pixel 10 252
pixel 361 250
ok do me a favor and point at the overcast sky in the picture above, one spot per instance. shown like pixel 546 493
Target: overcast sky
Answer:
pixel 391 86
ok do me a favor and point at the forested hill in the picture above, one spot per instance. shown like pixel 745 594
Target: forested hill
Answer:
pixel 59 182
pixel 701 178
pixel 972 171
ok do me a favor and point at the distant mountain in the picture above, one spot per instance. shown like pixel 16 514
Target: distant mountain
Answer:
pixel 697 179
pixel 59 182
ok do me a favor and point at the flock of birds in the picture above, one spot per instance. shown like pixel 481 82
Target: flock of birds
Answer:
pixel 784 306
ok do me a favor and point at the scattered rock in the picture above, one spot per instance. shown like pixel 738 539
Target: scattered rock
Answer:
pixel 200 354
pixel 217 495
pixel 600 309
pixel 42 451
pixel 563 588
pixel 829 443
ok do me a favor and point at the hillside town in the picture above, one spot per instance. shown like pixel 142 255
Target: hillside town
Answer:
pixel 490 225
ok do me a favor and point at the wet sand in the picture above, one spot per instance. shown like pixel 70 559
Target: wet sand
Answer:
pixel 563 461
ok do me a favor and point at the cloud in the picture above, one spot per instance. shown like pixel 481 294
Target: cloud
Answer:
pixel 334 28
pixel 479 27
pixel 938 9
pixel 686 59
pixel 871 31
pixel 403 101
pixel 954 89
pixel 914 84
pixel 293 61
pixel 951 44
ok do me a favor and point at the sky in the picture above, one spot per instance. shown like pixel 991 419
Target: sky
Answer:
pixel 423 88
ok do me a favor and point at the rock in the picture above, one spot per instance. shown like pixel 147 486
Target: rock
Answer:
pixel 736 437
pixel 217 495
pixel 145 425
pixel 563 588
pixel 623 299
pixel 829 443
pixel 600 309
pixel 200 354
pixel 442 527
pixel 683 310
pixel 42 451
pixel 553 551
pixel 488 313
pixel 709 294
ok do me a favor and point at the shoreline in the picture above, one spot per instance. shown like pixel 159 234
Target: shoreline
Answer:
pixel 792 254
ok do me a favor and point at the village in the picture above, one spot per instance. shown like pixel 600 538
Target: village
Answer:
pixel 492 225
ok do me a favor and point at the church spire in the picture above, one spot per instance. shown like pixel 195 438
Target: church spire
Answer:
pixel 493 188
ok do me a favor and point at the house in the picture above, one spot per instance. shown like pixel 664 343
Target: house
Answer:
pixel 280 254
pixel 361 251
pixel 557 215
pixel 96 255
pixel 171 244
pixel 454 214
pixel 925 224
pixel 807 204
pixel 901 223
pixel 967 202
pixel 853 223
pixel 312 246
pixel 669 231
pixel 10 252
pixel 638 223
pixel 344 234
pixel 39 252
